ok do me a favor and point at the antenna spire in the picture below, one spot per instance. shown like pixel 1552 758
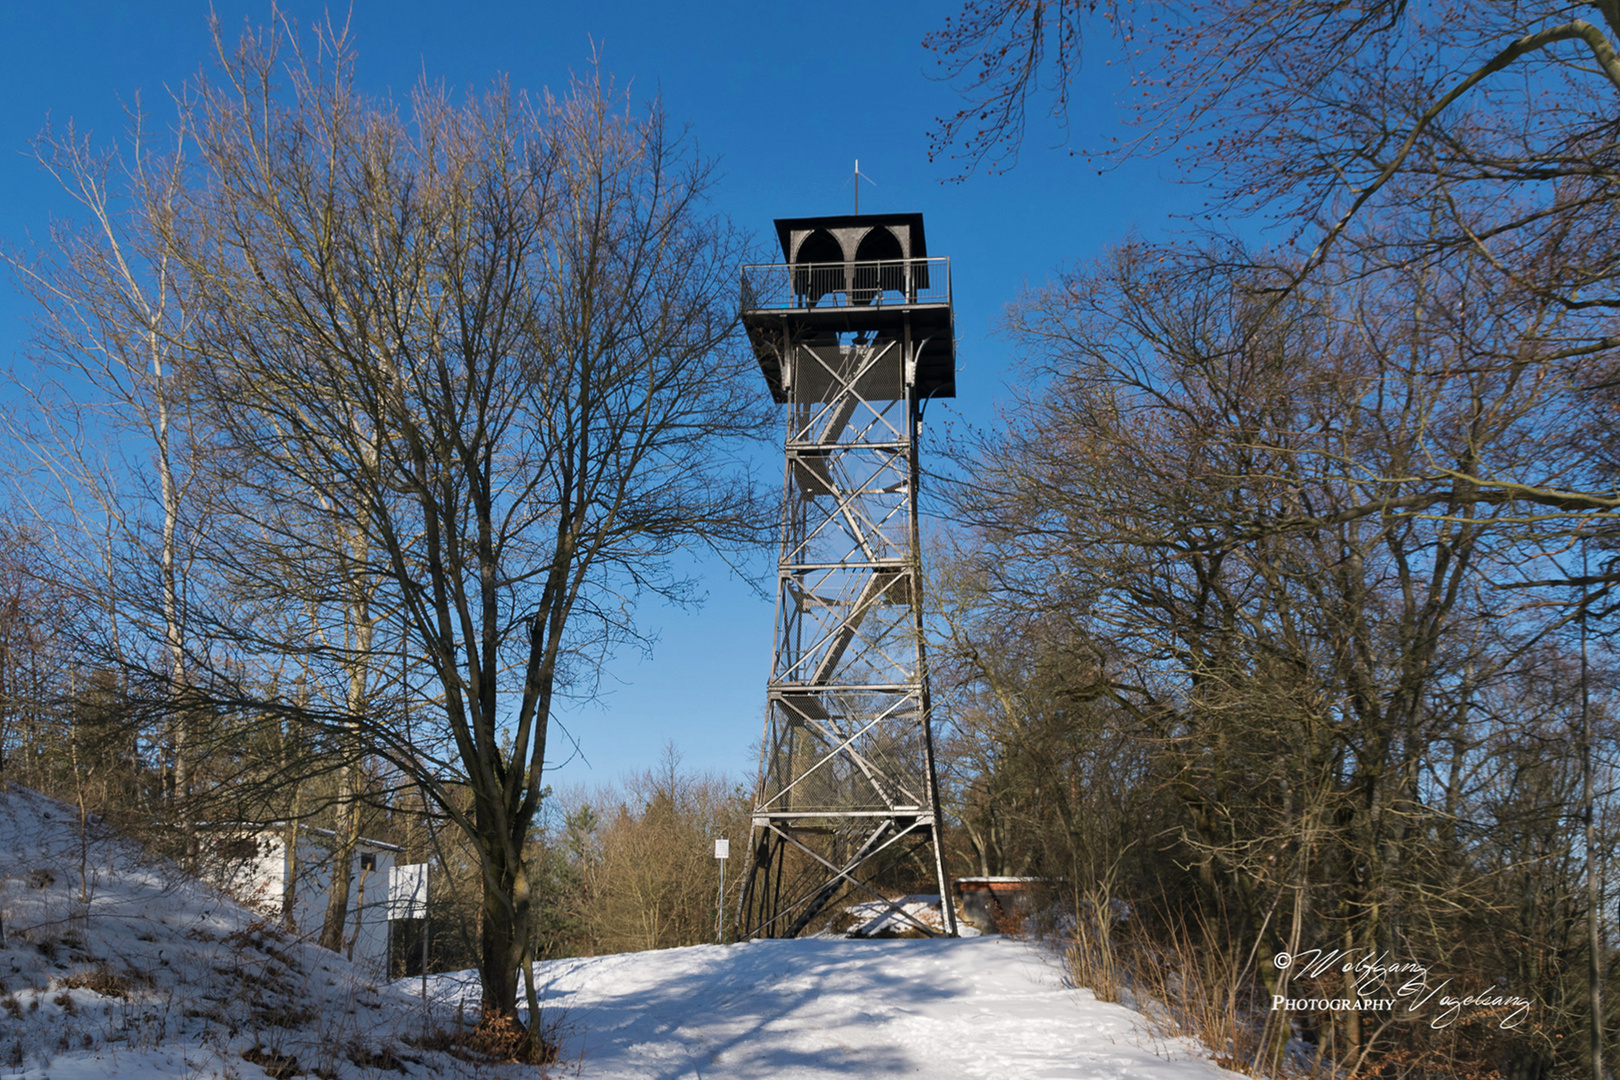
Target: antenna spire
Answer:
pixel 858 175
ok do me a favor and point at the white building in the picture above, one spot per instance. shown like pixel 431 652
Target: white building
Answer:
pixel 255 869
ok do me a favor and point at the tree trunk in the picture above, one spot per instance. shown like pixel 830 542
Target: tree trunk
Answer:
pixel 505 911
pixel 343 840
pixel 359 632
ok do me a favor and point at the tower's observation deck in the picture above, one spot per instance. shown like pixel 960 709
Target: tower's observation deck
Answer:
pixel 855 275
pixel 854 332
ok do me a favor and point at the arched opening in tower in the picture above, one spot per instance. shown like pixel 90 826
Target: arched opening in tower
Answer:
pixel 879 267
pixel 819 267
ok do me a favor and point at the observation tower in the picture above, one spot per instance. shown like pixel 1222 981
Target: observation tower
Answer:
pixel 854 333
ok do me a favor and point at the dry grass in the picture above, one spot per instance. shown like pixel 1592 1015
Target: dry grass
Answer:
pixel 1092 959
pixel 495 1040
pixel 1195 982
pixel 276 1065
pixel 1188 982
pixel 100 979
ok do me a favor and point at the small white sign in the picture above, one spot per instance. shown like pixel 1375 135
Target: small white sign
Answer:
pixel 722 849
pixel 408 891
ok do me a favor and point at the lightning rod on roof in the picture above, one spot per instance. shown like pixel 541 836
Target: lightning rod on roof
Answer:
pixel 858 175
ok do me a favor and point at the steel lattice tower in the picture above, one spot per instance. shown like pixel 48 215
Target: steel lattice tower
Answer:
pixel 854 334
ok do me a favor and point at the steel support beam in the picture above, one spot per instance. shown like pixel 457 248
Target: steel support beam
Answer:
pixel 847 799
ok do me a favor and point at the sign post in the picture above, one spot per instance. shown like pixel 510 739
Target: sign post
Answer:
pixel 722 852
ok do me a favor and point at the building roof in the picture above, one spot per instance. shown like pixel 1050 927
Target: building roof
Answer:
pixel 785 228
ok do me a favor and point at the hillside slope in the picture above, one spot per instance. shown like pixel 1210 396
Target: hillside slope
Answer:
pixel 115 964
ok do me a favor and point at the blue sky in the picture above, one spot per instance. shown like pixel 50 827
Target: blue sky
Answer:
pixel 786 97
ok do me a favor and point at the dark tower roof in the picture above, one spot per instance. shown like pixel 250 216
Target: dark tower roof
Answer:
pixel 907 228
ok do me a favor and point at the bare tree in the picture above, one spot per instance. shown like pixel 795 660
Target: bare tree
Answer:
pixel 32 656
pixel 1190 537
pixel 474 373
pixel 109 433
pixel 1408 133
pixel 1464 161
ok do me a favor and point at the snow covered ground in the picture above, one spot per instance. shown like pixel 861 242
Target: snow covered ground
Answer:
pixel 819 1008
pixel 115 965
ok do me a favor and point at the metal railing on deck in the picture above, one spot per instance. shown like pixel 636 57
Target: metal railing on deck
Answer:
pixel 887 283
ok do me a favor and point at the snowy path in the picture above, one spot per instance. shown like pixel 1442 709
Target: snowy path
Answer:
pixel 796 1010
